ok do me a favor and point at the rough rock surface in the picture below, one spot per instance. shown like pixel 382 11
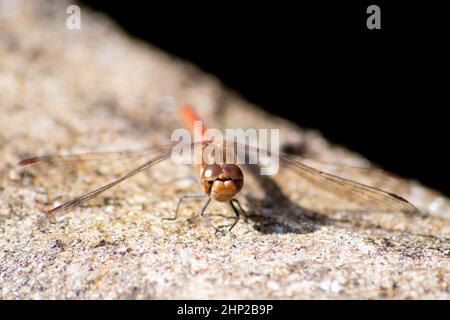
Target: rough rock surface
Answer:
pixel 96 89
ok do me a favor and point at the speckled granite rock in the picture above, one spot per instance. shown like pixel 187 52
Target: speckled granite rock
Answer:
pixel 96 89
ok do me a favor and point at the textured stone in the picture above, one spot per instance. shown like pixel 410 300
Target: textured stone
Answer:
pixel 97 89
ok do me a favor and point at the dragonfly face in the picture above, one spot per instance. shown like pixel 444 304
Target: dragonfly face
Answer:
pixel 222 182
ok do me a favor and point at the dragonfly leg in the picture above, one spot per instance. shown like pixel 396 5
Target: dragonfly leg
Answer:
pixel 202 211
pixel 202 214
pixel 187 196
pixel 236 206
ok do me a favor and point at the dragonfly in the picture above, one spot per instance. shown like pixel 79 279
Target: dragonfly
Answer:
pixel 223 181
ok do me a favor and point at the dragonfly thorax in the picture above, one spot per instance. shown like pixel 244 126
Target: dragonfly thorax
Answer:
pixel 221 182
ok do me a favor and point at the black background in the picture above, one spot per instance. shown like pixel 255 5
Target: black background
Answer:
pixel 383 93
pixel 126 309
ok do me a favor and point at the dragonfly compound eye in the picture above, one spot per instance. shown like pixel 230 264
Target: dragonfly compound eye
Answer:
pixel 233 171
pixel 211 172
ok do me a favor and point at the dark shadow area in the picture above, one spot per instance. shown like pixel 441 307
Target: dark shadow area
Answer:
pixel 298 220
pixel 383 93
pixel 293 218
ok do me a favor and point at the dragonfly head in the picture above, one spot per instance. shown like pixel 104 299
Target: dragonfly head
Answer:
pixel 222 182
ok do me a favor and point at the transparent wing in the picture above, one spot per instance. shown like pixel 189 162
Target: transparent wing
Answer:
pixel 69 205
pixel 97 157
pixel 373 198
pixel 351 171
pixel 370 197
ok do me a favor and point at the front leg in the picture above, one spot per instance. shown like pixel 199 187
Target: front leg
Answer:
pixel 236 206
pixel 188 196
pixel 202 214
